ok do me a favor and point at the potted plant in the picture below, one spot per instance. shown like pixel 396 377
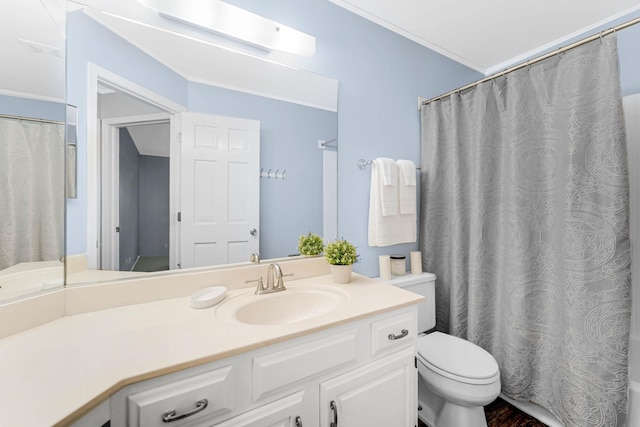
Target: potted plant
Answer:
pixel 341 255
pixel 310 244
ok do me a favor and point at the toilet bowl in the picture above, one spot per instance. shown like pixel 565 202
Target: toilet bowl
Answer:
pixel 456 378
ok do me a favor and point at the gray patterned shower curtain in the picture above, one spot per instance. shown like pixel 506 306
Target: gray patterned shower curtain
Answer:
pixel 32 202
pixel 525 222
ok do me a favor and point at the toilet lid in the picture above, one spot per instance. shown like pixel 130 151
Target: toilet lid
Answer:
pixel 455 357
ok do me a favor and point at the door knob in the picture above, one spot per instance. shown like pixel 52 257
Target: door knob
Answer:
pixel 253 232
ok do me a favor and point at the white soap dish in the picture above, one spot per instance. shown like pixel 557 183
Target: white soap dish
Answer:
pixel 208 297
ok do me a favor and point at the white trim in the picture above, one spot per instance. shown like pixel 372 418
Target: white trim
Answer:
pixel 175 125
pixel 323 91
pixel 110 205
pixel 134 90
pixel 95 74
pixel 32 96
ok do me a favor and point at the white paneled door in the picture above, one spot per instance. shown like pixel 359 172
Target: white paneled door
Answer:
pixel 220 189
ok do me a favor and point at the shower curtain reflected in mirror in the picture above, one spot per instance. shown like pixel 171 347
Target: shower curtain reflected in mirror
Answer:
pixel 525 222
pixel 32 207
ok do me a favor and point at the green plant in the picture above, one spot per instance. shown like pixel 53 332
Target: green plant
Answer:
pixel 340 252
pixel 310 244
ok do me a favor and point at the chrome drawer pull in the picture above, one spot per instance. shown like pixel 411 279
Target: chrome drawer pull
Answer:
pixel 171 416
pixel 403 333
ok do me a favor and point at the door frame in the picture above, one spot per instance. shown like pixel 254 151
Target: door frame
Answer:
pixel 96 75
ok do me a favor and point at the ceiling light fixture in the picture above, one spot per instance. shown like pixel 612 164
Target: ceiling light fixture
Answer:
pixel 236 23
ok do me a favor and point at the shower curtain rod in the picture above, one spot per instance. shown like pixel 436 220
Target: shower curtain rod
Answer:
pixel 31 119
pixel 537 59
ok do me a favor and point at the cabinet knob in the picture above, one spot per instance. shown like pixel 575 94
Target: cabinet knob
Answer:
pixel 298 422
pixel 171 416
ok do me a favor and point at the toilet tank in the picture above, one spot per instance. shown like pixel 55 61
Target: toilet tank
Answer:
pixel 422 284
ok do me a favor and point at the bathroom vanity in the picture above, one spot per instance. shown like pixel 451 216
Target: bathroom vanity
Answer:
pixel 136 364
pixel 352 373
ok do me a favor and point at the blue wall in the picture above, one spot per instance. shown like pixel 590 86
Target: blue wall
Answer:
pixel 628 42
pixel 33 108
pixel 154 206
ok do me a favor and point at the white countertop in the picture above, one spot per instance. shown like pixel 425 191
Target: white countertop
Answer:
pixel 55 373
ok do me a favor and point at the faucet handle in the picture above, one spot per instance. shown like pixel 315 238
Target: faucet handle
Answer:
pixel 260 288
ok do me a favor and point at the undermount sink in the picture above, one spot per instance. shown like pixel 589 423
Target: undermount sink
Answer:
pixel 292 305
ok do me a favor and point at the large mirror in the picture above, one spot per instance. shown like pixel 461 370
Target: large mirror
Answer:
pixel 32 145
pixel 193 150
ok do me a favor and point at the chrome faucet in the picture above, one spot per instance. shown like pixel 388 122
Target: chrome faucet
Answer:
pixel 274 274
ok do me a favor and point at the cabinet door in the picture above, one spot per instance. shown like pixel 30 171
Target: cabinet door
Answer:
pixel 380 394
pixel 285 412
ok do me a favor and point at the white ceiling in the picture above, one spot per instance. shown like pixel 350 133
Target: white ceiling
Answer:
pixel 490 35
pixel 151 139
pixel 32 48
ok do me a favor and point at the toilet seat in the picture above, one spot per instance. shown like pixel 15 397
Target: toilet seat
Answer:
pixel 457 359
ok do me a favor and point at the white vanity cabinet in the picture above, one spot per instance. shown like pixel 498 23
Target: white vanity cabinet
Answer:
pixel 360 373
pixel 375 395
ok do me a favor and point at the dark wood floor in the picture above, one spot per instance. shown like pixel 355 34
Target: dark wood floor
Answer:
pixel 502 414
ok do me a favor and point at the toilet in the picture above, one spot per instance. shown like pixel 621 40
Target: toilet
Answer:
pixel 456 377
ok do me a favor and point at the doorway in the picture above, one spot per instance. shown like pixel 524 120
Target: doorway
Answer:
pixel 135 202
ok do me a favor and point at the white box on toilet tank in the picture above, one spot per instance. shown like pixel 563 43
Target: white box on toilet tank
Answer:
pixel 422 284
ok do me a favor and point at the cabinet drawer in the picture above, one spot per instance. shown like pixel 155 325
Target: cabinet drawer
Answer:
pixel 281 413
pixel 298 363
pixel 147 408
pixel 393 332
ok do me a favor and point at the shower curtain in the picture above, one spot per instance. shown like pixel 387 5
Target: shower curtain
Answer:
pixel 525 222
pixel 31 191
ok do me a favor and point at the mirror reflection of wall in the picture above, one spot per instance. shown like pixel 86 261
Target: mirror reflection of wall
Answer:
pixel 32 147
pixel 289 134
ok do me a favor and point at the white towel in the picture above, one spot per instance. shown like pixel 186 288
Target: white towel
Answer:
pixel 388 182
pixel 391 229
pixel 407 186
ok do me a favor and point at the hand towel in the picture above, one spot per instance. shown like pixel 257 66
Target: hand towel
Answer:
pixel 391 229
pixel 387 170
pixel 407 186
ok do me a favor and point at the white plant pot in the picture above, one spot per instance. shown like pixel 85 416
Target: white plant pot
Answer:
pixel 341 273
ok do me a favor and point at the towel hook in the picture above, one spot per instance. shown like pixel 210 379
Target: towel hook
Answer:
pixel 362 164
